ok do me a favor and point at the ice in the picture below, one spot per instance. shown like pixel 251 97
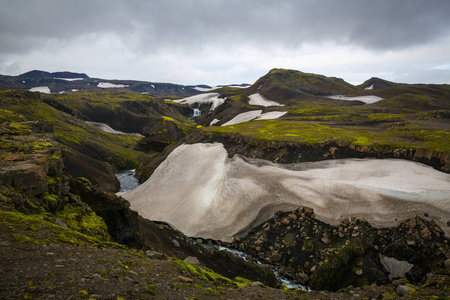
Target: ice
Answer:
pixel 204 193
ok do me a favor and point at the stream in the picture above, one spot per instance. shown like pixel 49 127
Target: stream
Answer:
pixel 285 281
pixel 129 182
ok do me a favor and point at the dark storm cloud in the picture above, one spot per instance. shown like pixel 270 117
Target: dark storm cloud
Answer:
pixel 190 25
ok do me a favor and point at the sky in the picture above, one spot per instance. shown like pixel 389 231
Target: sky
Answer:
pixel 228 41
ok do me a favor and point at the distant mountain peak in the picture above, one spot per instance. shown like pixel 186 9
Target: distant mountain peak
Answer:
pixel 45 74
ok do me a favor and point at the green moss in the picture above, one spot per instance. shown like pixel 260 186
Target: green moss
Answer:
pixel 208 275
pixel 52 180
pixel 51 198
pixel 34 224
pixel 83 294
pixel 84 180
pixel 151 290
pixel 42 145
pixel 84 220
pixel 241 281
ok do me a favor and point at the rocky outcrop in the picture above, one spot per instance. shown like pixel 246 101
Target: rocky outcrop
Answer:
pixel 353 253
pixel 292 152
pixel 122 223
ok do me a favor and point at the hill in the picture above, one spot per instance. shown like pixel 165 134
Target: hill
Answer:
pixel 59 151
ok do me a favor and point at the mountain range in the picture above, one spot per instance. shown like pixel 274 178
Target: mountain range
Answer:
pixel 276 156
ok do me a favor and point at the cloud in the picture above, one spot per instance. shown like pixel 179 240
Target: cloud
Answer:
pixel 213 40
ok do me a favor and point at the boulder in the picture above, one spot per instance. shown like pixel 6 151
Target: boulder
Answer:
pixel 302 278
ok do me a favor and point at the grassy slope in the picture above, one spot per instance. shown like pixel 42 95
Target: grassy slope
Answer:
pixel 75 134
pixel 411 116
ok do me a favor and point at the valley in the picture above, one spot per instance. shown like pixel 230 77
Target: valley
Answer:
pixel 341 188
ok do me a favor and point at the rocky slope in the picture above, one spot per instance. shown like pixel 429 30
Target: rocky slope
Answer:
pixel 353 253
pixel 42 206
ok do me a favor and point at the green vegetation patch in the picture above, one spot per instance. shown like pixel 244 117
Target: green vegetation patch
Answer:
pixel 40 229
pixel 313 133
pixel 209 275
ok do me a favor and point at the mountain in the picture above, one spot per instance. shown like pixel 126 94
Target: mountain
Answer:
pixel 62 82
pixel 270 167
pixel 375 83
pixel 43 74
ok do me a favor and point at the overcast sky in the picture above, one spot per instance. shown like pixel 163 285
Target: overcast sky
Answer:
pixel 228 41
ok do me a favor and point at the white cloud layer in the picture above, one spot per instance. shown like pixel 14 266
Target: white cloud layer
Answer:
pixel 219 42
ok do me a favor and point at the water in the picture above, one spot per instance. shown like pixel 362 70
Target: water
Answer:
pixel 285 281
pixel 127 180
pixel 197 113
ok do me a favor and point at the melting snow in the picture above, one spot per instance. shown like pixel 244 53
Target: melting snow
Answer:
pixel 243 117
pixel 204 193
pixel 108 85
pixel 258 99
pixel 214 122
pixel 153 86
pixel 212 98
pixel 70 79
pixel 369 87
pixel 41 89
pixel 74 90
pixel 253 115
pixel 271 115
pixel 366 99
pixel 107 128
pixel 202 89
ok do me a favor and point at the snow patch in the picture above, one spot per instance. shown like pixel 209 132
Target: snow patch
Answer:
pixel 370 87
pixel 214 122
pixel 366 99
pixel 271 115
pixel 243 117
pixel 212 98
pixel 70 79
pixel 203 89
pixel 74 90
pixel 41 89
pixel 108 85
pixel 109 129
pixel 258 99
pixel 153 86
pixel 204 193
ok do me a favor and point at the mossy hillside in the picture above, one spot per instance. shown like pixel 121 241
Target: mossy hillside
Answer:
pixel 313 133
pixel 209 275
pixel 109 107
pixel 76 134
pixel 42 229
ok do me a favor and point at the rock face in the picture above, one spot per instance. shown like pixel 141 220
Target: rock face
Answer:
pixel 122 222
pixel 353 253
pixel 290 152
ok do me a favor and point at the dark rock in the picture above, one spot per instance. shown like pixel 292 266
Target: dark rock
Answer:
pixel 192 260
pixel 404 289
pixel 302 278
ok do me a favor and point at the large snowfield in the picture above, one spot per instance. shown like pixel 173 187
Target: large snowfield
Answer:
pixel 204 193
